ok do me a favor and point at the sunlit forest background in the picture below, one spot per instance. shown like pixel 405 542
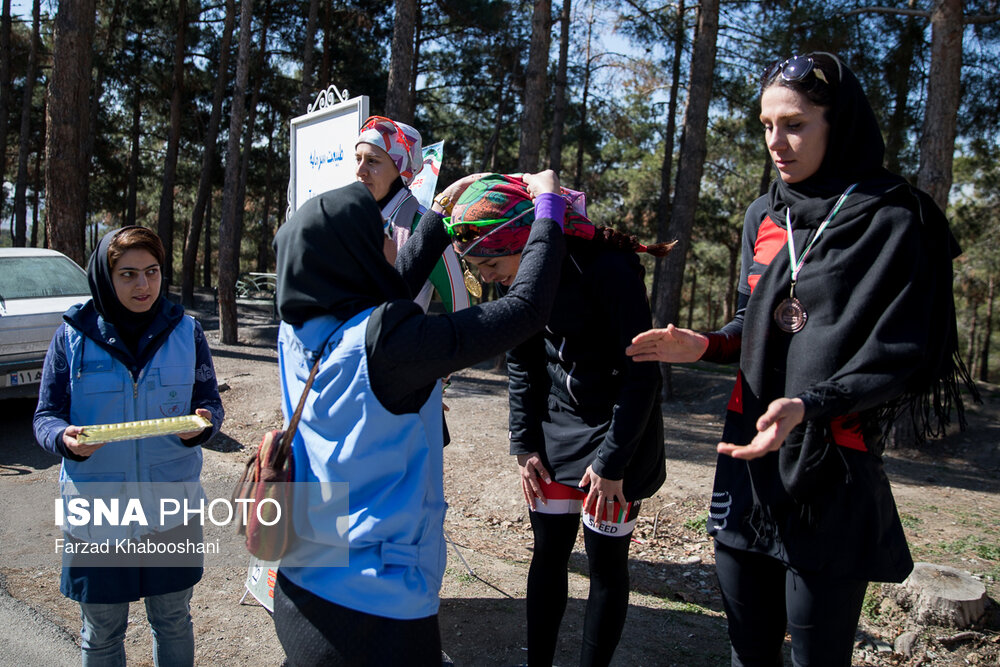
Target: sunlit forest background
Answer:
pixel 174 114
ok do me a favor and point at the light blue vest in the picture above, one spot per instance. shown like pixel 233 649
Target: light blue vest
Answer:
pixel 103 392
pixel 392 463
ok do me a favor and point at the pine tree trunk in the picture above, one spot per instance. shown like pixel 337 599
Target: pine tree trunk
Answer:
pixel 206 273
pixel 694 289
pixel 251 120
pixel 666 167
pixel 207 163
pixel 489 152
pixel 984 357
pixel 536 87
pixel 21 184
pixel 418 29
pixel 165 218
pixel 135 165
pixel 68 104
pixel 911 37
pixel 970 350
pixel 267 230
pixel 230 233
pixel 327 30
pixel 733 272
pixel 307 57
pixel 691 164
pixel 114 24
pixel 937 145
pixel 6 90
pixel 398 104
pixel 559 93
pixel 581 131
pixel 38 180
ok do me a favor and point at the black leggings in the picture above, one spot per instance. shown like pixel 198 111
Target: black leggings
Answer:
pixel 314 631
pixel 762 595
pixel 548 585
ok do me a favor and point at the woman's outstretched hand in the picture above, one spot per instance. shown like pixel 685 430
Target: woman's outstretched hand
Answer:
pixel 773 427
pixel 670 345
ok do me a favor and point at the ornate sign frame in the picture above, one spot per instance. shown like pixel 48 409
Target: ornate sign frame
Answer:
pixel 321 148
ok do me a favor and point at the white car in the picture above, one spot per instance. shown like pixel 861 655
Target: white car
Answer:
pixel 36 287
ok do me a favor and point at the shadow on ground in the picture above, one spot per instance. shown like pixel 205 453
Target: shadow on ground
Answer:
pixel 490 631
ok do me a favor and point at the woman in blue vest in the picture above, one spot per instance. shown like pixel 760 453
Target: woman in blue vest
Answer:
pixel 373 418
pixel 128 354
pixel 845 321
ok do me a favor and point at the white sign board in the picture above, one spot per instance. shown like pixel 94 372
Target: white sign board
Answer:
pixel 322 149
pixel 261 576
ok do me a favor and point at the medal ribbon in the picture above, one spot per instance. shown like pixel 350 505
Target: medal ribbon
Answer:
pixel 796 264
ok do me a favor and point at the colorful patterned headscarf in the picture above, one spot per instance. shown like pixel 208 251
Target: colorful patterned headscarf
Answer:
pixel 399 140
pixel 503 199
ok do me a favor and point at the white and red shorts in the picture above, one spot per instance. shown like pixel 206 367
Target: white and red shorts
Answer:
pixel 616 519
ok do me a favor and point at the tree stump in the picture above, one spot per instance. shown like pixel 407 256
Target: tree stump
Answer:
pixel 942 595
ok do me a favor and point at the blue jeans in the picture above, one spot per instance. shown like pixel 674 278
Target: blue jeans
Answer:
pixel 103 633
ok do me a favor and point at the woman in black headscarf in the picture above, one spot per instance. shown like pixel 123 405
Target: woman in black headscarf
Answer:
pixel 845 318
pixel 374 417
pixel 128 354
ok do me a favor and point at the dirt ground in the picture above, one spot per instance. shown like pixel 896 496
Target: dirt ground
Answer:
pixel 948 494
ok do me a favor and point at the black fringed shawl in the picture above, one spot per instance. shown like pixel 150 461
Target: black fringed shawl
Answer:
pixel 880 335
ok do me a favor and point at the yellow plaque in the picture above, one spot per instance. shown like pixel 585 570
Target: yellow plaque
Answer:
pixel 145 428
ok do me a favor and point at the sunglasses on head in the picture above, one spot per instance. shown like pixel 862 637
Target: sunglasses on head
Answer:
pixel 380 123
pixel 475 232
pixel 798 68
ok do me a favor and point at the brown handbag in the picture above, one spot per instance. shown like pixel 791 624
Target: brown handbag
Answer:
pixel 268 475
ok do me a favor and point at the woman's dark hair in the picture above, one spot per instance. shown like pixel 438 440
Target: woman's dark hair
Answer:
pixel 819 90
pixel 135 238
pixel 613 238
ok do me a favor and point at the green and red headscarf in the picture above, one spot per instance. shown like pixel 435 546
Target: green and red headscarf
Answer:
pixel 501 210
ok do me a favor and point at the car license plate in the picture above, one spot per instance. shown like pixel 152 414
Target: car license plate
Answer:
pixel 19 378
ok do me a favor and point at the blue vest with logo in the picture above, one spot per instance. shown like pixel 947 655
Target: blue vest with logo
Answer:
pixel 393 464
pixel 104 392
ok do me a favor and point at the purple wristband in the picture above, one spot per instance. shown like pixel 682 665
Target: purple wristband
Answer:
pixel 551 205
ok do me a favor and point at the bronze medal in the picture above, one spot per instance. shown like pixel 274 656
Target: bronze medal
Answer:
pixel 790 315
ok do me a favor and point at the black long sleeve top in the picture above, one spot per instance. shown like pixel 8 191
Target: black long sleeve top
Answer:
pixel 409 350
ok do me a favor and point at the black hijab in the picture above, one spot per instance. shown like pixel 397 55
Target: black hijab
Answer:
pixel 855 152
pixel 129 325
pixel 877 286
pixel 394 187
pixel 330 258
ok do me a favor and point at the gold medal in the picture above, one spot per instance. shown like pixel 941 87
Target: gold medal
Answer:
pixel 474 286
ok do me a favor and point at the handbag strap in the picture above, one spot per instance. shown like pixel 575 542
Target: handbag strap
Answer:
pixel 285 446
pixel 293 424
